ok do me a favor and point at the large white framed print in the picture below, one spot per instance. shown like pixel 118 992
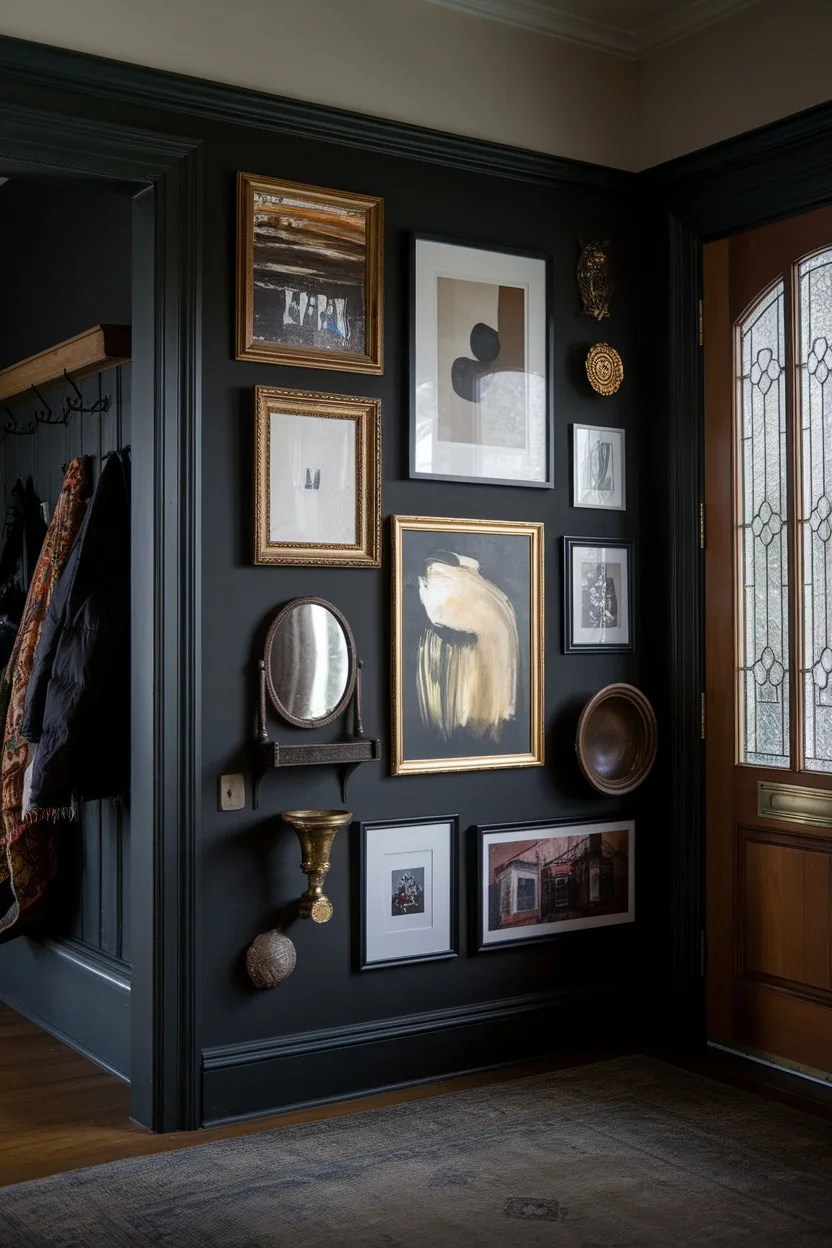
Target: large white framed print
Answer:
pixel 598 467
pixel 408 890
pixel 480 403
pixel 538 880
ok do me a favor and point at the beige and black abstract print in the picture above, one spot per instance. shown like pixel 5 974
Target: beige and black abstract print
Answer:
pixel 468 652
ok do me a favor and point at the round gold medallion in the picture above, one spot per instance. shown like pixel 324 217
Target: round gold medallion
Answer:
pixel 604 368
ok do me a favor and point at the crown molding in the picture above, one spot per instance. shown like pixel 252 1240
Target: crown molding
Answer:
pixel 677 26
pixel 622 41
pixel 542 18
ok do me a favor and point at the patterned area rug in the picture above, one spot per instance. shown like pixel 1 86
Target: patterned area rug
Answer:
pixel 624 1154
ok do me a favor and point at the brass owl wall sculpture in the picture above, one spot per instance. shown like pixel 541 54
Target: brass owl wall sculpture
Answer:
pixel 594 278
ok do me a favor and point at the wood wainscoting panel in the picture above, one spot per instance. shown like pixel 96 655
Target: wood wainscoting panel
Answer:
pixel 782 876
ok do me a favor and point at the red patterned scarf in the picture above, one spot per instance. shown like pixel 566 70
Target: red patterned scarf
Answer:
pixel 30 855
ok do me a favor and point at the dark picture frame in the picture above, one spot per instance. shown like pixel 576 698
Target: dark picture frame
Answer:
pixel 575 829
pixel 597 599
pixel 368 931
pixel 547 350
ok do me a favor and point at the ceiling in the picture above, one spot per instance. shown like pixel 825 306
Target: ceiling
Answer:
pixel 630 28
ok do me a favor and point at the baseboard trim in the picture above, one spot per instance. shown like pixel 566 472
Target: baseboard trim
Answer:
pixel 79 995
pixel 259 1078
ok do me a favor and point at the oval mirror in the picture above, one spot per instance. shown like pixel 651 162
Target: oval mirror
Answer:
pixel 310 662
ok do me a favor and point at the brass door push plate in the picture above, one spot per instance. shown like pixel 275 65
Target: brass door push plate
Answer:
pixel 792 803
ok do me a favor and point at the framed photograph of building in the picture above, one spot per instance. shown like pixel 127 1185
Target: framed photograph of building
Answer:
pixel 467 644
pixel 481 406
pixel 597 595
pixel 317 479
pixel 598 468
pixel 409 890
pixel 537 880
pixel 309 275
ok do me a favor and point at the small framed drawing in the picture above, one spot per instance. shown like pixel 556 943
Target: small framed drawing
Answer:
pixel 408 891
pixel 538 880
pixel 598 467
pixel 467 644
pixel 309 275
pixel 480 404
pixel 317 479
pixel 597 595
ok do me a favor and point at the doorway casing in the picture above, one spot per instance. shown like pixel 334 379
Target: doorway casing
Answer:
pixel 165 555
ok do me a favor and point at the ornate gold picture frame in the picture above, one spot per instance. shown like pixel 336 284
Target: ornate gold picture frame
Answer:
pixel 467 644
pixel 317 479
pixel 310 268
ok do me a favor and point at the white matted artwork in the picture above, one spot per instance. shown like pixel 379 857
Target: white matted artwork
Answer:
pixel 408 883
pixel 539 880
pixel 597 595
pixel 598 467
pixel 317 474
pixel 480 408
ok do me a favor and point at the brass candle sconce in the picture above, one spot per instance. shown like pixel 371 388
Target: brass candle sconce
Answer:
pixel 316 830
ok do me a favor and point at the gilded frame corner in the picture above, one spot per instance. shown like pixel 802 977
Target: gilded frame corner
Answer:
pixel 247 348
pixel 489 762
pixel 366 413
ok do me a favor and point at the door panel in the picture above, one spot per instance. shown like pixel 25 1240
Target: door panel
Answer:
pixel 769 829
pixel 785 911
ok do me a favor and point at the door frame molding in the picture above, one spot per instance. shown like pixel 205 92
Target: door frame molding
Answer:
pixel 165 552
pixel 778 171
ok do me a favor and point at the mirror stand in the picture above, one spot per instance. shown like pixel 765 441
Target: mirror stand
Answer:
pixel 346 755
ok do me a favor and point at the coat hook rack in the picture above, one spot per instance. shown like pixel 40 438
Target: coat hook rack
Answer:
pixel 10 425
pixel 73 406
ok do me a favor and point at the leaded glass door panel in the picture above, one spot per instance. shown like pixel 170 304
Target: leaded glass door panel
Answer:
pixel 768 640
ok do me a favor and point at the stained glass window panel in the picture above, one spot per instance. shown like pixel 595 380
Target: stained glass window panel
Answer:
pixel 815 507
pixel 763 659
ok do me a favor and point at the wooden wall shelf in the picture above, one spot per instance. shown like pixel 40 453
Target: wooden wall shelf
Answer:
pixel 103 346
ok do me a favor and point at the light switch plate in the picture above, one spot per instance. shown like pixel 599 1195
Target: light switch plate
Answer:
pixel 232 792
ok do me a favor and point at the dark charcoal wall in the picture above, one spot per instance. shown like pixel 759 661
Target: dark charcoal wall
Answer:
pixel 251 863
pixel 66 263
pixel 66 259
pixel 331 1031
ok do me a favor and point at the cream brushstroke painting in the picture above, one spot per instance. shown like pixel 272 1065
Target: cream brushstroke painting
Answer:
pixel 467 644
pixel 468 652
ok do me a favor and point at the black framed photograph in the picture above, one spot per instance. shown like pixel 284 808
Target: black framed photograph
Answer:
pixel 467 644
pixel 598 598
pixel 480 403
pixel 538 880
pixel 598 467
pixel 409 890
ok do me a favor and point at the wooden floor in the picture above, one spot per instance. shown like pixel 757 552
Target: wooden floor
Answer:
pixel 60 1112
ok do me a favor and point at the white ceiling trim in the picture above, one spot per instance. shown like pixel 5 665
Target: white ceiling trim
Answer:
pixel 678 26
pixel 538 16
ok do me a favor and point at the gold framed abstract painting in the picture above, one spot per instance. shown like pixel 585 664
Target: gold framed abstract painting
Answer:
pixel 467 644
pixel 309 275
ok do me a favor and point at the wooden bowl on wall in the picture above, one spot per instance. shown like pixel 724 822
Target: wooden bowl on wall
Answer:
pixel 617 739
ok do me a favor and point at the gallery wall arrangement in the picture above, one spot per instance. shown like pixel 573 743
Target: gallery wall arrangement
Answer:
pixel 426 500
pixel 398 431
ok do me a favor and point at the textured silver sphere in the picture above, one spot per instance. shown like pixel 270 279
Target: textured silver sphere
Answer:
pixel 270 959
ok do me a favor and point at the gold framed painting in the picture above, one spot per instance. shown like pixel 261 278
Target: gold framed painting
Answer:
pixel 467 644
pixel 317 479
pixel 309 275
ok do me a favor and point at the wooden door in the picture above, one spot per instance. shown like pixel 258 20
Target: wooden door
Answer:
pixel 767 716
